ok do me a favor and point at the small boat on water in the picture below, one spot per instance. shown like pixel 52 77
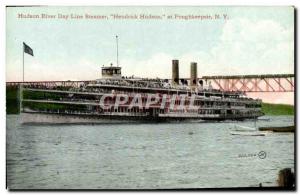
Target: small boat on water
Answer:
pixel 283 129
pixel 247 133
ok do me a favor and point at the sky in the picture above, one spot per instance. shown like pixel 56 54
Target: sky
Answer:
pixel 251 40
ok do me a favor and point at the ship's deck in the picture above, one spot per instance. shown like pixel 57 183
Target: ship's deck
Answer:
pixel 98 93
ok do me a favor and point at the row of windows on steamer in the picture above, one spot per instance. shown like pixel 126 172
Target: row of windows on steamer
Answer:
pixel 110 71
pixel 207 103
pixel 196 103
pixel 162 111
pixel 143 110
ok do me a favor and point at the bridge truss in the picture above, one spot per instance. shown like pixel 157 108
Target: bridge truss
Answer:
pixel 245 83
pixel 253 83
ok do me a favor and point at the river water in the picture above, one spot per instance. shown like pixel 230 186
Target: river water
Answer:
pixel 145 156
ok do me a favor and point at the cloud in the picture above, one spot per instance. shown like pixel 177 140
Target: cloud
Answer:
pixel 260 47
pixel 36 70
pixel 245 47
pixel 157 65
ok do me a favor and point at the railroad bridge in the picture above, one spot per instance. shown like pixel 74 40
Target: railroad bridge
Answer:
pixel 246 83
pixel 254 83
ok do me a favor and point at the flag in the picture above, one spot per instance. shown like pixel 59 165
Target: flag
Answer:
pixel 27 49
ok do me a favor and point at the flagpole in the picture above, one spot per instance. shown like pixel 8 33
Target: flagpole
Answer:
pixel 20 97
pixel 28 50
pixel 23 62
pixel 117 51
pixel 21 86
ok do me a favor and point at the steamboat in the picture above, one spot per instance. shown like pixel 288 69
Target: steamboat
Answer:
pixel 118 99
